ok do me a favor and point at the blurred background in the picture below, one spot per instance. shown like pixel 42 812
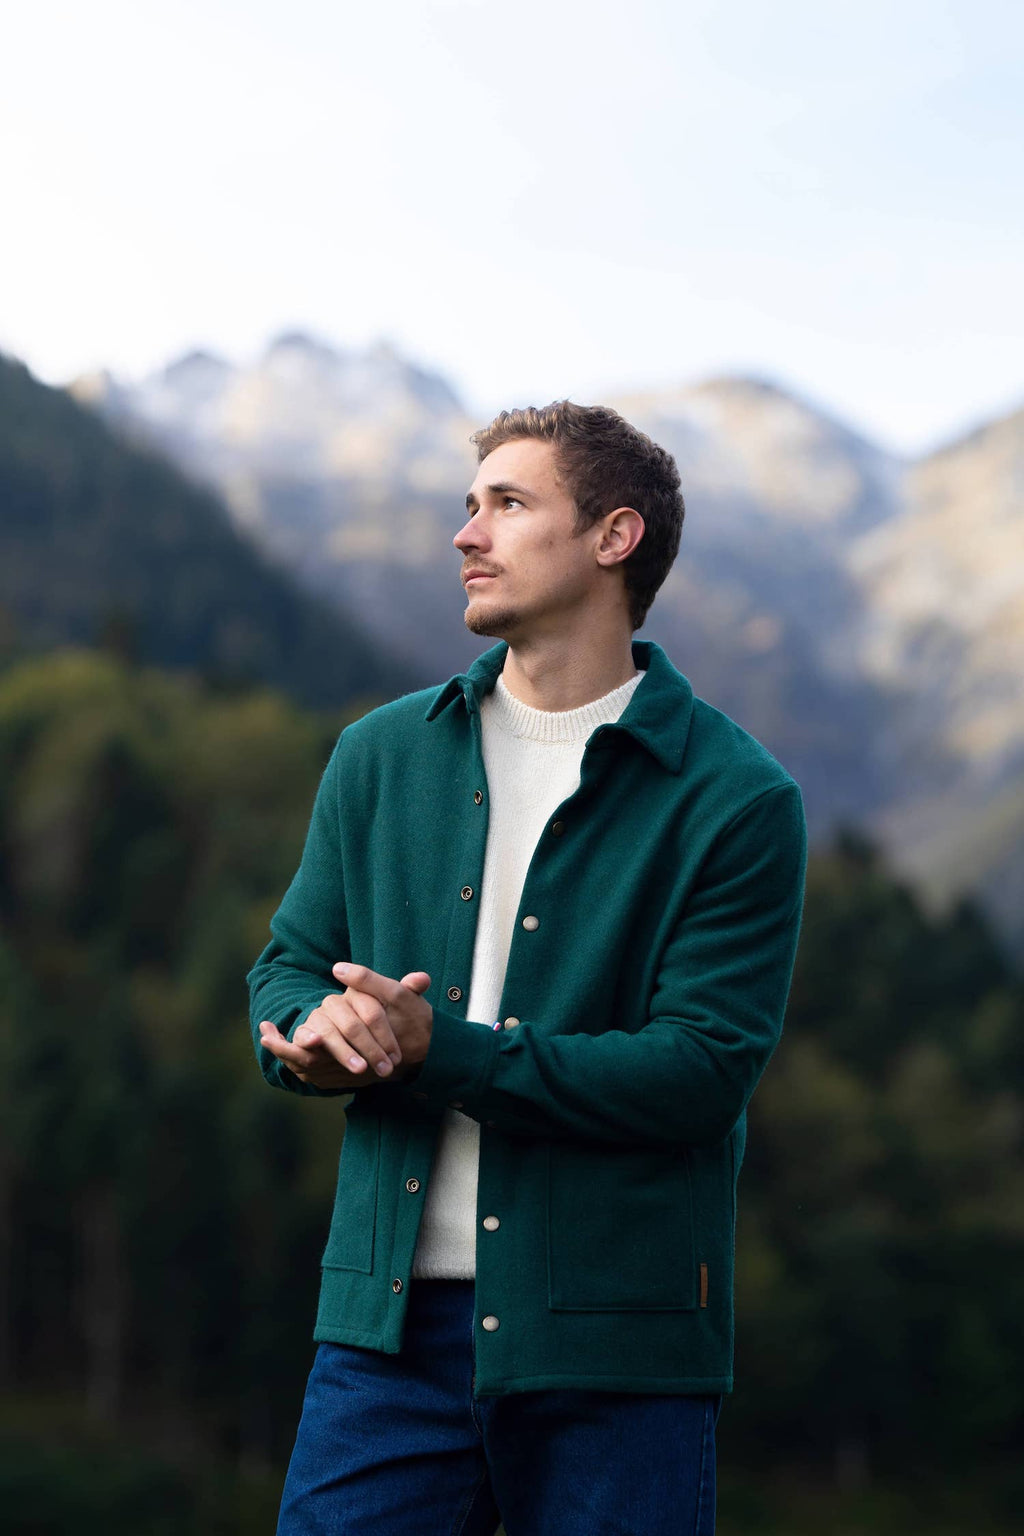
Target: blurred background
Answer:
pixel 263 270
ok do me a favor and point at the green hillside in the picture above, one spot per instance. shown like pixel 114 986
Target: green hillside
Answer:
pixel 103 542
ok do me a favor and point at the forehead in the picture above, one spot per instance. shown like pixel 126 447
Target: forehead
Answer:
pixel 526 461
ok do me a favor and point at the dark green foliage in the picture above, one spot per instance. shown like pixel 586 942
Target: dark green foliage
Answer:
pixel 160 1203
pixel 881 1234
pixel 103 542
pixel 163 1210
pixel 54 1490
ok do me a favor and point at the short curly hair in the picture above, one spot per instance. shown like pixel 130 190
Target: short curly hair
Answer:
pixel 606 463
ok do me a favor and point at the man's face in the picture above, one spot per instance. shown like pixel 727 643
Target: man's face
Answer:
pixel 536 575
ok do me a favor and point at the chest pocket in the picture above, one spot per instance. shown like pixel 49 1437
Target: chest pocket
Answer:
pixel 619 1230
pixel 350 1240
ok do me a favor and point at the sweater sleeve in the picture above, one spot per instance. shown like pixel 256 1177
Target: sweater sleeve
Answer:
pixel 309 934
pixel 686 1072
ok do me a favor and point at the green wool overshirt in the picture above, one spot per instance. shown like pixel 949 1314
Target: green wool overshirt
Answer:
pixel 645 991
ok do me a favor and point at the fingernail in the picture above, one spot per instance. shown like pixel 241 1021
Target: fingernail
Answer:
pixel 384 1068
pixel 357 1062
pixel 395 1056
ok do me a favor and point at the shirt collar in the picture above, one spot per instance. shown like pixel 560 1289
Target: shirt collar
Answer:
pixel 657 716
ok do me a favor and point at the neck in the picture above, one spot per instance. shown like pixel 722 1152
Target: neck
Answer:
pixel 558 673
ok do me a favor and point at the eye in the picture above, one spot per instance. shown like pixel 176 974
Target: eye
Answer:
pixel 511 501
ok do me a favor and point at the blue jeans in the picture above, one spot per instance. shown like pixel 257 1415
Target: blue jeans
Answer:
pixel 400 1445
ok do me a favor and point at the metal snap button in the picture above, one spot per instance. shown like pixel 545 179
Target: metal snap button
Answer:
pixel 412 1185
pixel 478 798
pixel 396 1286
pixel 491 1223
pixel 511 1022
pixel 557 828
pixel 531 924
pixel 490 1323
pixel 454 994
pixel 466 893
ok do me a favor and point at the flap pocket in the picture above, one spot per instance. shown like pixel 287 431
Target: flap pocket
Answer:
pixel 350 1240
pixel 620 1229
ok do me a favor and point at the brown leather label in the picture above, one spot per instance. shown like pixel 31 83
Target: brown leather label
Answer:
pixel 703 1285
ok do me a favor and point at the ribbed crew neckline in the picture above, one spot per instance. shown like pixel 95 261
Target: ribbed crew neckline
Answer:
pixel 557 726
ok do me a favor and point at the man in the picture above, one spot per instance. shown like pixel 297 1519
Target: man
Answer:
pixel 540 939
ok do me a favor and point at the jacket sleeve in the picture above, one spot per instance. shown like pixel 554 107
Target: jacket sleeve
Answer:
pixel 714 1017
pixel 309 934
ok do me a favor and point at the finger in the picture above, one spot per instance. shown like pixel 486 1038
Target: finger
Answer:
pixel 284 1050
pixel 354 1040
pixel 383 988
pixel 319 1033
pixel 374 1016
pixel 309 1035
pixel 307 1065
pixel 306 1036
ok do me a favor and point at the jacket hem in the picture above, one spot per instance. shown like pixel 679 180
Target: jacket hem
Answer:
pixel 661 1385
pixel 323 1334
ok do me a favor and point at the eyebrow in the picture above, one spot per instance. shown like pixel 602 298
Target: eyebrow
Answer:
pixel 500 487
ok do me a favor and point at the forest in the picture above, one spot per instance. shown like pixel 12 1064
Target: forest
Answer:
pixel 163 1210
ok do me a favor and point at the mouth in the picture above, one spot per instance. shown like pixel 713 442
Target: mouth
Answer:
pixel 477 576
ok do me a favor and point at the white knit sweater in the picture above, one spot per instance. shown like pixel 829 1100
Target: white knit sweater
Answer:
pixel 532 758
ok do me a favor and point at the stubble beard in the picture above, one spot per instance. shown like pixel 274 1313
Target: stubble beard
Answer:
pixel 496 622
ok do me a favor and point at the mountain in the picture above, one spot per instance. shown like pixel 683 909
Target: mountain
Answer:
pixel 101 538
pixel 944 595
pixel 759 601
pixel 944 601
pixel 352 467
pixel 858 611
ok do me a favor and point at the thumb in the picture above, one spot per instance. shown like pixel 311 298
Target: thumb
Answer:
pixel 416 981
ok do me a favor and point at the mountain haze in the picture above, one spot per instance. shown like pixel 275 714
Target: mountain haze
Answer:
pixel 858 611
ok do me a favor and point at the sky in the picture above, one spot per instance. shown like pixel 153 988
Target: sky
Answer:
pixel 537 200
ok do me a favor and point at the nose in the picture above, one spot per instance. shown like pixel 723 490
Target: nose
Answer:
pixel 471 536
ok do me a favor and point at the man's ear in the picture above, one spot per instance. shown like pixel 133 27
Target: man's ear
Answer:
pixel 622 531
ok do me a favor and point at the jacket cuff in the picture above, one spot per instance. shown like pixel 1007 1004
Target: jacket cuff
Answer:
pixel 459 1063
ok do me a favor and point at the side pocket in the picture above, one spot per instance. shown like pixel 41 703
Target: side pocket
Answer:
pixel 619 1230
pixel 350 1239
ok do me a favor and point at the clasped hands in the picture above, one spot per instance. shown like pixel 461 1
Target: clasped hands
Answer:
pixel 377 1028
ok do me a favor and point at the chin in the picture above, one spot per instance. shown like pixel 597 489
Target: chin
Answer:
pixel 497 622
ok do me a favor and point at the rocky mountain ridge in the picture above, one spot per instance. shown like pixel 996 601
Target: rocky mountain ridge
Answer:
pixel 861 612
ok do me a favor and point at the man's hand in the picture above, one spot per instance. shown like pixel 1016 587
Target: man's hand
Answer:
pixel 314 1066
pixel 384 1025
pixel 396 1006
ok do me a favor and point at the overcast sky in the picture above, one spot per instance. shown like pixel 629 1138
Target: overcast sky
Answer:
pixel 537 199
